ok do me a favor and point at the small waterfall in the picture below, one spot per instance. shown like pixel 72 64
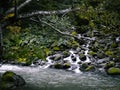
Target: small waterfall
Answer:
pixel 74 65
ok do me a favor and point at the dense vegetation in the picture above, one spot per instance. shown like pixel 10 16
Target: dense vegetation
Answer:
pixel 25 40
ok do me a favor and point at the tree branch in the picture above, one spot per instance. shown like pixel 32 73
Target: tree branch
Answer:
pixel 19 7
pixel 56 29
pixel 78 37
pixel 47 12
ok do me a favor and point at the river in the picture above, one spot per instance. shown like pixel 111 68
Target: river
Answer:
pixel 38 78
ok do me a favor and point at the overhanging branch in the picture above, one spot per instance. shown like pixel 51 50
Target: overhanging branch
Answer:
pixel 47 12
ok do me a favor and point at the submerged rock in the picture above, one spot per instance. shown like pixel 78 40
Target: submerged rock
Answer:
pixel 113 71
pixel 10 80
pixel 90 68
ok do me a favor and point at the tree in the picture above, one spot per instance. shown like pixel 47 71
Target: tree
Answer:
pixel 4 6
pixel 14 6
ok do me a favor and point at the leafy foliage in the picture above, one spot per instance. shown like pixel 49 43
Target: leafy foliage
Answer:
pixel 27 41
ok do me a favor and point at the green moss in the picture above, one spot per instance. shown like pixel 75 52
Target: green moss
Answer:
pixel 66 66
pixel 74 33
pixel 109 64
pixel 89 68
pixel 108 53
pixel 113 71
pixel 66 53
pixel 56 48
pixel 8 76
pixel 92 53
pixel 82 57
pixel 114 45
pixel 83 66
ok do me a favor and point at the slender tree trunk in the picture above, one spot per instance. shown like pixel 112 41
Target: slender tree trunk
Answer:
pixel 15 11
pixel 1 44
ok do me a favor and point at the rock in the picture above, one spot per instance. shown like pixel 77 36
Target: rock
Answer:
pixel 74 59
pixel 10 80
pixel 104 60
pixel 90 68
pixel 82 57
pixel 114 45
pixel 100 55
pixel 66 66
pixel 117 64
pixel 92 53
pixel 109 64
pixel 57 57
pixel 56 48
pixel 113 71
pixel 83 66
pixel 66 54
pixel 58 66
pixel 109 53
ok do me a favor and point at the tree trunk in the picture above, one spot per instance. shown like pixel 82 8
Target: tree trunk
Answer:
pixel 1 44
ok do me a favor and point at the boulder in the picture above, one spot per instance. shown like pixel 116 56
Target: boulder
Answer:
pixel 113 71
pixel 10 80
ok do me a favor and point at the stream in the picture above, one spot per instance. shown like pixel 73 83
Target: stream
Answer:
pixel 38 78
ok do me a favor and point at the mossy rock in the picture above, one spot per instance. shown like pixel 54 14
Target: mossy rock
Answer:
pixel 114 45
pixel 92 53
pixel 66 53
pixel 113 71
pixel 83 66
pixel 58 66
pixel 57 57
pixel 66 66
pixel 109 64
pixel 10 80
pixel 23 61
pixel 90 68
pixel 108 53
pixel 100 55
pixel 82 57
pixel 56 48
pixel 8 76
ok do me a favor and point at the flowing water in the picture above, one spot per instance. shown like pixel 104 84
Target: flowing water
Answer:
pixel 42 77
pixel 38 78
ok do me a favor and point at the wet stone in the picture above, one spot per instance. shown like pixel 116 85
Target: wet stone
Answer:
pixel 82 57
